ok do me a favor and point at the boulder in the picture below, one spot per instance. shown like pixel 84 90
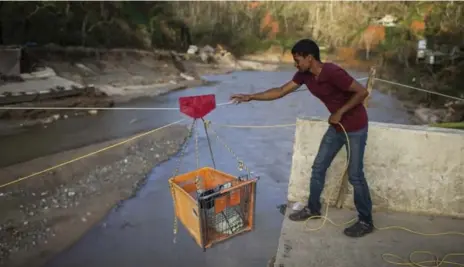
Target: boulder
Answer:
pixel 207 54
pixel 192 50
pixel 428 115
pixel 224 57
pixel 455 111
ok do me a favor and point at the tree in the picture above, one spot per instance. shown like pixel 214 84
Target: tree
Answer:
pixel 1 24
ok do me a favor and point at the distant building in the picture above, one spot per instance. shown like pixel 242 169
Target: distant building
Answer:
pixel 387 21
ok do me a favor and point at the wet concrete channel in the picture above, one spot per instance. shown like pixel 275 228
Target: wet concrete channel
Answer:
pixel 140 232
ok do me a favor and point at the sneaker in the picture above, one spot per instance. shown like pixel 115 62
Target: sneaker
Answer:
pixel 359 229
pixel 304 214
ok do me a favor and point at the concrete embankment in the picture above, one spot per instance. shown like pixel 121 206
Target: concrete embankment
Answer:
pixel 409 168
pixel 412 169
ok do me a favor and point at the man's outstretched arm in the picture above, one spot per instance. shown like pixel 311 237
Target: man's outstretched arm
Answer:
pixel 276 93
pixel 268 95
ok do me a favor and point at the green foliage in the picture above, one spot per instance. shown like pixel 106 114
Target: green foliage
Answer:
pixel 229 23
pixel 286 41
pixel 395 37
pixel 450 125
pixel 97 24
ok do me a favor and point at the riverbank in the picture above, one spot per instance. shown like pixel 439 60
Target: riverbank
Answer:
pixel 50 211
pixel 90 77
pixel 104 78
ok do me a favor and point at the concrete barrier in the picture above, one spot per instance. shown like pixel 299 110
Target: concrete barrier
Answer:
pixel 412 169
pixel 10 58
pixel 40 86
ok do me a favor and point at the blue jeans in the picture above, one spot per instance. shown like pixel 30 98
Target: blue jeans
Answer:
pixel 331 143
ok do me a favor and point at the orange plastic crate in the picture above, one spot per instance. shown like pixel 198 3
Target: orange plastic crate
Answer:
pixel 218 216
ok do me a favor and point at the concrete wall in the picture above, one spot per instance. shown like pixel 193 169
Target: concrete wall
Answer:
pixel 52 88
pixel 10 61
pixel 409 168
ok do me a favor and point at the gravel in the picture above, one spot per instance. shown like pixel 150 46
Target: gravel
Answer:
pixel 75 198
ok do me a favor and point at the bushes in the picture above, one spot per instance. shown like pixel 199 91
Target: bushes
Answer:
pixel 66 23
pixel 237 25
pixel 233 24
pixel 95 24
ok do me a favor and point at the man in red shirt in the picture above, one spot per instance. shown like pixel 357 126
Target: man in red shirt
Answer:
pixel 343 96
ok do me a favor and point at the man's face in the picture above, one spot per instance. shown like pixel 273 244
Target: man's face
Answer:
pixel 302 63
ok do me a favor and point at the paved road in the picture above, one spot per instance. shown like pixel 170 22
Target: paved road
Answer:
pixel 140 233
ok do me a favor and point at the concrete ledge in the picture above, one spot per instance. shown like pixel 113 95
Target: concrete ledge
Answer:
pixel 298 246
pixel 413 169
pixel 35 89
pixel 20 97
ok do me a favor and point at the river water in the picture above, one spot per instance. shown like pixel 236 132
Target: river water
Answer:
pixel 140 233
pixel 26 144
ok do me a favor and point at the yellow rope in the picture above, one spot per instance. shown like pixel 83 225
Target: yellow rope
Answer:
pixel 402 262
pixel 88 155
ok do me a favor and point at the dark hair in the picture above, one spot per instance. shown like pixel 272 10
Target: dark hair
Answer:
pixel 306 47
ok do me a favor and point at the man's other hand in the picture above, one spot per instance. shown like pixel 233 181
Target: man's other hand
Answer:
pixel 239 98
pixel 335 118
